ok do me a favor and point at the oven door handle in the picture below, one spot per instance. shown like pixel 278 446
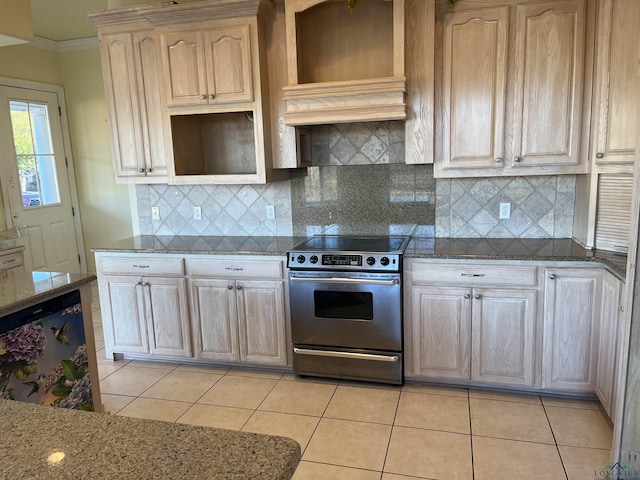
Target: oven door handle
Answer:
pixel 344 281
pixel 350 355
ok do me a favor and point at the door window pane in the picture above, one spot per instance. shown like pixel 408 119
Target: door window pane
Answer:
pixel 34 154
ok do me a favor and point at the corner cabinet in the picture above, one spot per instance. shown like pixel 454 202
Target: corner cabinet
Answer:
pixel 512 101
pixel 132 88
pixel 238 310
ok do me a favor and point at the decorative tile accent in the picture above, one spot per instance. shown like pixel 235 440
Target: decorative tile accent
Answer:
pixel 226 209
pixel 369 143
pixel 541 207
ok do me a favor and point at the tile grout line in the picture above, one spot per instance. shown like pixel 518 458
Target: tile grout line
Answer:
pixel 544 408
pixel 261 402
pixel 393 425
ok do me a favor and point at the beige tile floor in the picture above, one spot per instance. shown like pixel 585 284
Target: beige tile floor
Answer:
pixel 350 430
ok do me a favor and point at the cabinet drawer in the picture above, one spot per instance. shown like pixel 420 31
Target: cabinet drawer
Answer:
pixel 236 268
pixel 143 265
pixel 475 274
pixel 12 260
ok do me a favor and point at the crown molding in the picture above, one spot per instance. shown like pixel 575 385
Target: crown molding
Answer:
pixel 65 45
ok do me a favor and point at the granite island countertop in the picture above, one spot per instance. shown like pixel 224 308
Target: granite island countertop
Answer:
pixel 105 447
pixel 19 289
pixel 534 249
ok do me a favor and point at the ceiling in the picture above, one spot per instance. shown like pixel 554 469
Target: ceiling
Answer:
pixel 65 19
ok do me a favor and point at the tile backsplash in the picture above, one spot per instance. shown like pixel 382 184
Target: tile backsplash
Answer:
pixel 541 207
pixel 359 183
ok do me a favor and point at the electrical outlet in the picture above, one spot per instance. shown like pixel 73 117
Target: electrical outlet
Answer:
pixel 505 210
pixel 271 212
pixel 633 458
pixel 155 213
pixel 197 213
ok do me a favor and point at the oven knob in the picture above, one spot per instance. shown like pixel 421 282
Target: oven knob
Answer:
pixel 384 261
pixel 371 261
pixel 301 259
pixel 313 259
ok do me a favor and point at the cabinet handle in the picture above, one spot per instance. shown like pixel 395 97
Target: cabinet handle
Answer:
pixel 517 159
pixel 477 296
pixel 552 276
pixel 599 155
pixel 239 287
pixel 499 160
pixel 230 287
pixel 466 296
pixel 211 96
pixel 472 274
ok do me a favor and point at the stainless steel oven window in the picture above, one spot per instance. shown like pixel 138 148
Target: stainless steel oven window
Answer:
pixel 347 305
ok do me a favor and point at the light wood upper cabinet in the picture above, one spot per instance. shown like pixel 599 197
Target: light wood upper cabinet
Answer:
pixel 617 83
pixel 570 328
pixel 132 87
pixel 209 66
pixel 342 66
pixel 512 89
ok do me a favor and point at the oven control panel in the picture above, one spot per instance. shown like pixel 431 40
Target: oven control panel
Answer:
pixel 376 262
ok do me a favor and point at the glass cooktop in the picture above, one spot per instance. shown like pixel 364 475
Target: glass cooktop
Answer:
pixel 342 243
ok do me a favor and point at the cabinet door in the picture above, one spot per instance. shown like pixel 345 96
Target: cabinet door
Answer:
pixel 214 319
pixel 617 84
pixel 503 334
pixel 228 59
pixel 123 103
pixel 549 71
pixel 570 329
pixel 184 68
pixel 167 316
pixel 473 89
pixel 441 332
pixel 123 315
pixel 151 116
pixel 261 321
pixel 606 365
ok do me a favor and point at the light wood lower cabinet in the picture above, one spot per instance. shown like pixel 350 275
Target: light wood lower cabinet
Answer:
pixel 146 315
pixel 474 334
pixel 570 343
pixel 606 369
pixel 239 320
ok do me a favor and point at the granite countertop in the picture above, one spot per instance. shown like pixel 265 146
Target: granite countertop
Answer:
pixel 101 446
pixel 19 289
pixel 231 245
pixel 541 249
pixel 535 249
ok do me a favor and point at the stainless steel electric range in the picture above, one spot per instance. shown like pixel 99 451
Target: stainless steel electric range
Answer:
pixel 346 307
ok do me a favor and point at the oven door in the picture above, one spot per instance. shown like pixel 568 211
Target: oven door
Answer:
pixel 346 309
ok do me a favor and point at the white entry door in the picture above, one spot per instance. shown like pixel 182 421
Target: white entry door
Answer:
pixel 36 180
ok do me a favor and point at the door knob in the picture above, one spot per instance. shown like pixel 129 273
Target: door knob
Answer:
pixel 239 287
pixel 466 296
pixel 230 287
pixel 499 160
pixel 517 159
pixel 552 276
pixel 477 296
pixel 15 215
pixel 211 96
pixel 599 155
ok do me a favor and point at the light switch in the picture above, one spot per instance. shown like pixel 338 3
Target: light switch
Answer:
pixel 271 212
pixel 197 213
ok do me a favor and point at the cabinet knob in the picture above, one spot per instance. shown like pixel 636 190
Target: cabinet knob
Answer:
pixel 517 159
pixel 466 296
pixel 203 97
pixel 599 155
pixel 230 287
pixel 211 96
pixel 477 296
pixel 499 160
pixel 239 287
pixel 142 170
pixel 552 276
pixel 149 170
